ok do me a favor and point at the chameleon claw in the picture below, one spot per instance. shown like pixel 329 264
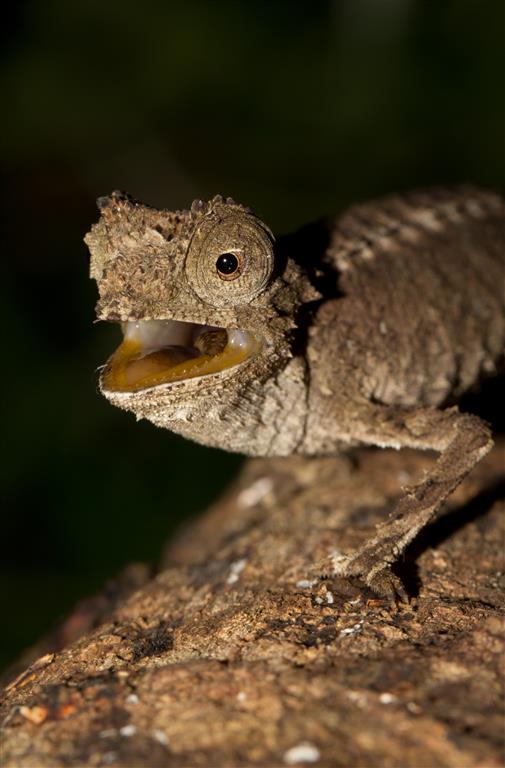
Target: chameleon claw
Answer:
pixel 374 574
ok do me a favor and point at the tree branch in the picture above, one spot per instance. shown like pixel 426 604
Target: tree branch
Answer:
pixel 238 654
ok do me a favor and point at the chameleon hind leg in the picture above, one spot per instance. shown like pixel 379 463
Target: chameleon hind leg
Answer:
pixel 461 440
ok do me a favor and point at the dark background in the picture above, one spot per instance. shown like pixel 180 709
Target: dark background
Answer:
pixel 295 109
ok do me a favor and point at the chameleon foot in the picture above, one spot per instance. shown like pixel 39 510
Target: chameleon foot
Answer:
pixel 373 571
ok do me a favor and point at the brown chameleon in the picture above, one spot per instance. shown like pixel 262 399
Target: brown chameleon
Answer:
pixel 358 330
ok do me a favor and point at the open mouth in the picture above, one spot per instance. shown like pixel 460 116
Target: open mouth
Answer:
pixel 155 352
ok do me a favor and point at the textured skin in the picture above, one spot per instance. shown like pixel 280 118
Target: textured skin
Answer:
pixel 421 317
pixel 370 323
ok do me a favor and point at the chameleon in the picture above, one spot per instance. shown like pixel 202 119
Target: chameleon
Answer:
pixel 363 328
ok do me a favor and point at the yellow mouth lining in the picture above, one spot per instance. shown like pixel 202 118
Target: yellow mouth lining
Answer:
pixel 161 352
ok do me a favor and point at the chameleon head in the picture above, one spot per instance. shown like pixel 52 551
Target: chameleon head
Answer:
pixel 203 308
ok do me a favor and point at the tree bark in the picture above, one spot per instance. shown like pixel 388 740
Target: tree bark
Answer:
pixel 238 654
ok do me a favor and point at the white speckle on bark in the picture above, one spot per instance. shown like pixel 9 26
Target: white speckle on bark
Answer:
pixel 236 569
pixel 107 733
pixel 160 736
pixel 128 730
pixel 241 696
pixel 132 699
pixel 305 583
pixel 255 493
pixel 329 597
pixel 301 753
pixel 387 698
pixel 383 327
pixel 351 630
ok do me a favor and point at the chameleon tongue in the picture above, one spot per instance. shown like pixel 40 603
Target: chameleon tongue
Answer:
pixel 162 351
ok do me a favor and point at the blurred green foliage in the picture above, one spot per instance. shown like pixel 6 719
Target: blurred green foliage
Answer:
pixel 293 108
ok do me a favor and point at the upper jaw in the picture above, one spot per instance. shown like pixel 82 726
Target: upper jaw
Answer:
pixel 160 352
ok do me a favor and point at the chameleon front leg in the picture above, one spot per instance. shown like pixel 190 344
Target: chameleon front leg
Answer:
pixel 461 440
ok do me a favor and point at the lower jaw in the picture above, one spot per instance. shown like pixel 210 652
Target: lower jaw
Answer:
pixel 143 362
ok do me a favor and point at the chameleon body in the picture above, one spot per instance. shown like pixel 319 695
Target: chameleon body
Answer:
pixel 361 329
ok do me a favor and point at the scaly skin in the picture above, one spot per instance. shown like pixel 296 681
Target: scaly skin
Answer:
pixel 368 324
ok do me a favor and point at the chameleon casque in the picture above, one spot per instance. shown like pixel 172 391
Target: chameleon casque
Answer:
pixel 357 330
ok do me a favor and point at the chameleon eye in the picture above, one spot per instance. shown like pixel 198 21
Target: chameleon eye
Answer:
pixel 230 258
pixel 228 266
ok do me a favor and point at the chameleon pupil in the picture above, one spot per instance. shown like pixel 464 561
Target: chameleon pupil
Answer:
pixel 227 263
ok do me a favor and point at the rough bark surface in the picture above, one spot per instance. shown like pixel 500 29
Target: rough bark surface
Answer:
pixel 237 654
